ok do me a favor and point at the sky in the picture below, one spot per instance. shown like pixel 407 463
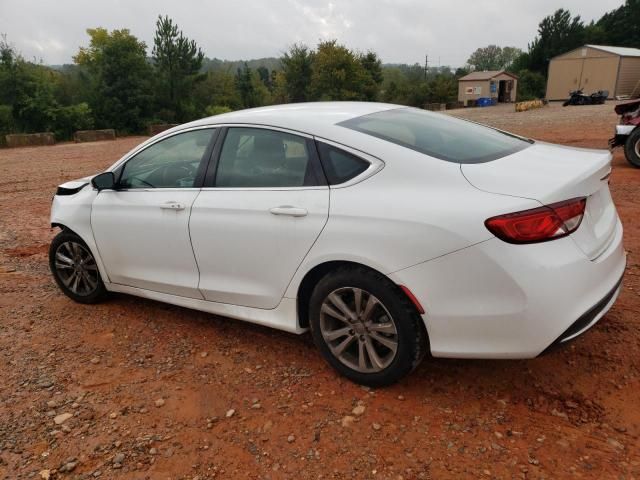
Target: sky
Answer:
pixel 400 31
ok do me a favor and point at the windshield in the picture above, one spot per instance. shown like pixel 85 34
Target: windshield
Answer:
pixel 440 136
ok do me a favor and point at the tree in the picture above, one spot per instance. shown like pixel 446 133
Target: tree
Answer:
pixel 531 85
pixel 217 89
pixel 337 73
pixel 373 75
pixel 493 57
pixel 120 78
pixel 253 93
pixel 264 76
pixel 297 70
pixel 619 27
pixel 178 61
pixel 557 33
pixel 27 89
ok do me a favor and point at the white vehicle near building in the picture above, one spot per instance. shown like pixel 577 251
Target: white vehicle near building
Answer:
pixel 390 232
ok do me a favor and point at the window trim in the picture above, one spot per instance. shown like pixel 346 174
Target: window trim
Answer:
pixel 209 182
pixel 118 168
pixel 375 164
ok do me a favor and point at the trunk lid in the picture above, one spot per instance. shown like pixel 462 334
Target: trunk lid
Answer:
pixel 552 173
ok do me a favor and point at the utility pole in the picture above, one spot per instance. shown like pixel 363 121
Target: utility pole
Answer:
pixel 426 66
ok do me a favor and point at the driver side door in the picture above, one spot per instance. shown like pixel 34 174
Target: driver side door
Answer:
pixel 142 228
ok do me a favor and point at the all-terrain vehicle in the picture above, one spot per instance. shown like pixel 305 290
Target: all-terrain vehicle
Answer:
pixel 628 131
pixel 577 97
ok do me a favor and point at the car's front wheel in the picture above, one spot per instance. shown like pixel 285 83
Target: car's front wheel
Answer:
pixel 365 327
pixel 74 268
pixel 632 148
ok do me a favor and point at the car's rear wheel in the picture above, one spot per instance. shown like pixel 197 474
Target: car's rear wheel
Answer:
pixel 365 327
pixel 632 148
pixel 74 268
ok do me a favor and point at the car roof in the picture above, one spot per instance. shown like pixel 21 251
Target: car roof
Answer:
pixel 314 118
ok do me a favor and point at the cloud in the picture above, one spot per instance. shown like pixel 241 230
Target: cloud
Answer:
pixel 398 30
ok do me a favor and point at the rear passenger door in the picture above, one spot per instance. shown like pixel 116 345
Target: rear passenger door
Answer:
pixel 263 205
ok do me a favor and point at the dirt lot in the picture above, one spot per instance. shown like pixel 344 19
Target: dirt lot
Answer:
pixel 161 392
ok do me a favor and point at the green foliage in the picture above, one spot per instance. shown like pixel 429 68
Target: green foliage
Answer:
pixel 297 69
pixel 6 122
pixel 619 27
pixel 557 33
pixel 372 76
pixel 494 57
pixel 28 88
pixel 114 85
pixel 119 78
pixel 531 85
pixel 69 119
pixel 251 89
pixel 178 61
pixel 217 88
pixel 212 110
pixel 336 73
pixel 408 85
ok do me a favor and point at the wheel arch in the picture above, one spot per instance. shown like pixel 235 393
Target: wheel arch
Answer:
pixel 315 274
pixel 91 245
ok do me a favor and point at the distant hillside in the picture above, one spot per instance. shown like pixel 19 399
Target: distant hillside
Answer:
pixel 211 64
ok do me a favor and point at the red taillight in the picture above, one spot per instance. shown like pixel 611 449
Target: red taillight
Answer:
pixel 539 224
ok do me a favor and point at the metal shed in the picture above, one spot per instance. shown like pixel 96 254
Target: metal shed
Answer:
pixel 592 68
pixel 496 84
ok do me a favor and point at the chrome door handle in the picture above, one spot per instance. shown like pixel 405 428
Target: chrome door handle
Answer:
pixel 289 210
pixel 172 206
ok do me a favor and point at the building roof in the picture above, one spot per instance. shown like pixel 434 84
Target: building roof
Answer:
pixel 622 51
pixel 485 75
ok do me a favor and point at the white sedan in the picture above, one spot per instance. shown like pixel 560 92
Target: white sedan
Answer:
pixel 387 231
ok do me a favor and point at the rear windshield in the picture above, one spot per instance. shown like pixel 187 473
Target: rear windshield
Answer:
pixel 437 135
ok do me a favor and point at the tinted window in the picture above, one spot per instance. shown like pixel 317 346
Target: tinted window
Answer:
pixel 169 163
pixel 340 166
pixel 255 157
pixel 440 136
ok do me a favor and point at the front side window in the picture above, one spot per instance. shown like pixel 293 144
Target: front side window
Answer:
pixel 437 135
pixel 169 163
pixel 260 158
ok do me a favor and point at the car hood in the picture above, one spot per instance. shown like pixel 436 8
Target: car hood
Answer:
pixel 76 184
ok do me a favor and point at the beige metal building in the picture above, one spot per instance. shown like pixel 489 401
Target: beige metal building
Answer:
pixel 496 84
pixel 593 68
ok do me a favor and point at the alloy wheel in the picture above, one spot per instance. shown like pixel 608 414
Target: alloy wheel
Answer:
pixel 358 329
pixel 76 268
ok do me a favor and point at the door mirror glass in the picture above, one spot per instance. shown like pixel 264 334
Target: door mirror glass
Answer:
pixel 104 181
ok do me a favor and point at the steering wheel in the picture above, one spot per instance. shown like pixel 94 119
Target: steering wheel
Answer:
pixel 172 174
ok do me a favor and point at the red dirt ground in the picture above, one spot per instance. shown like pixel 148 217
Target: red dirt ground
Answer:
pixel 574 413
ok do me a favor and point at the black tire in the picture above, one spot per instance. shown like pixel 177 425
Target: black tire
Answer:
pixel 90 288
pixel 632 148
pixel 410 335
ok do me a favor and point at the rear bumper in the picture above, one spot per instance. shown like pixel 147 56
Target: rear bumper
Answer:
pixel 496 300
pixel 587 320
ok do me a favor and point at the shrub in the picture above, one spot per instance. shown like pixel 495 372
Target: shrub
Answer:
pixel 212 110
pixel 72 118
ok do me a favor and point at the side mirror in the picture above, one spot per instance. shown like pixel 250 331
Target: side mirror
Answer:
pixel 104 181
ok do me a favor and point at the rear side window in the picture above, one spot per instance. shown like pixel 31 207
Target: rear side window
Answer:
pixel 437 135
pixel 340 166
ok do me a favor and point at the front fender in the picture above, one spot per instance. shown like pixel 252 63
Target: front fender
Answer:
pixel 74 212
